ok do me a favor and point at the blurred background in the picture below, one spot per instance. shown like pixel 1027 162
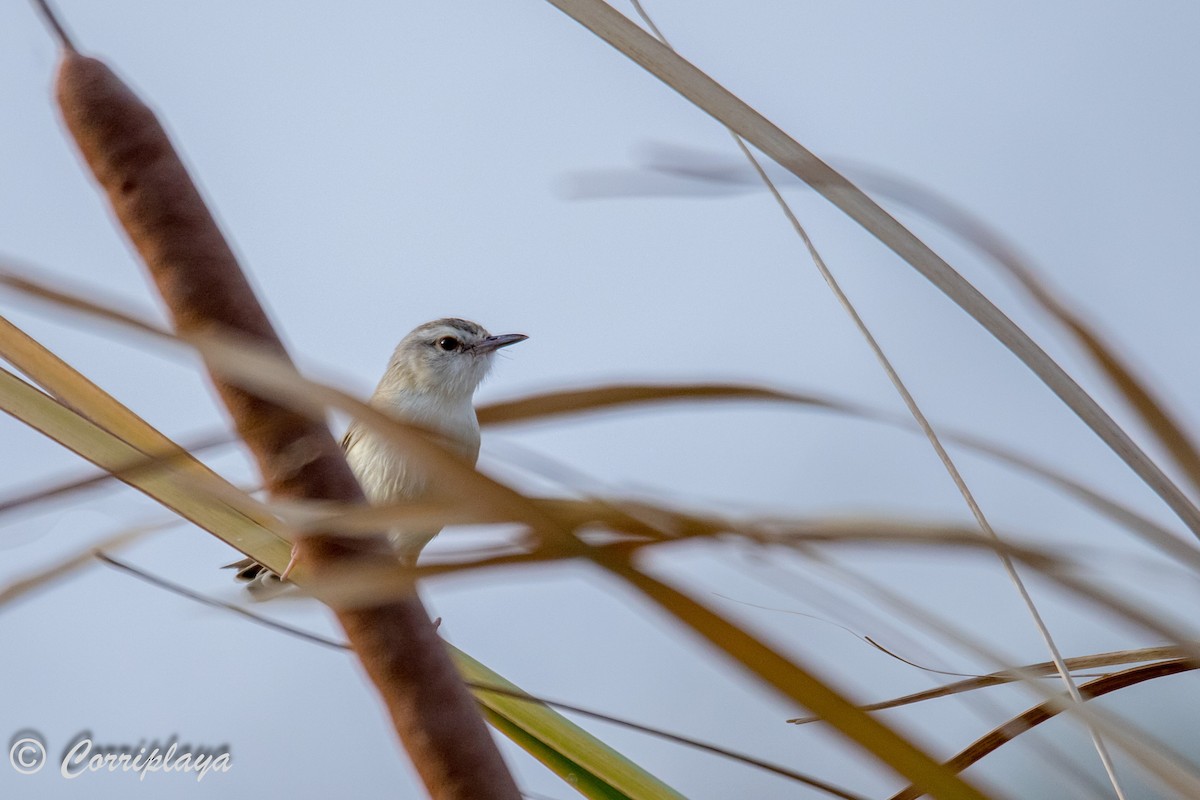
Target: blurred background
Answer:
pixel 386 165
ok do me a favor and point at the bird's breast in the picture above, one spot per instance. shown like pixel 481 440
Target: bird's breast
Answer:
pixel 388 473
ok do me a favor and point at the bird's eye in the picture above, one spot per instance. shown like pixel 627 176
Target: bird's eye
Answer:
pixel 448 343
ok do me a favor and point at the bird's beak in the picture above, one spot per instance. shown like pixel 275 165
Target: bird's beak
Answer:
pixel 496 342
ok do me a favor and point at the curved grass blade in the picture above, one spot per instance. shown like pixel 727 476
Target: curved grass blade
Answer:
pixel 262 371
pixel 721 177
pixel 1010 676
pixel 1041 713
pixel 562 402
pixel 700 89
pixel 1172 435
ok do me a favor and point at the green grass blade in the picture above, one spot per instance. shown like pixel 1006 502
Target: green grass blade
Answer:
pixel 586 763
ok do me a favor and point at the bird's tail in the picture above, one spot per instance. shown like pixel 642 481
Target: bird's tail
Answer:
pixel 260 581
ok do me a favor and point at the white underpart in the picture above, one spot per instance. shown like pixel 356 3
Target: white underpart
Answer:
pixel 388 477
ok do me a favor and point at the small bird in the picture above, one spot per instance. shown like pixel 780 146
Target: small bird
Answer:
pixel 430 382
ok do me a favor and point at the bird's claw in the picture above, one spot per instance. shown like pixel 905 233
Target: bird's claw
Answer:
pixel 283 576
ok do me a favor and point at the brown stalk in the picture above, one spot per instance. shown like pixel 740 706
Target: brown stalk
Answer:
pixel 203 286
pixel 1045 711
pixel 1011 676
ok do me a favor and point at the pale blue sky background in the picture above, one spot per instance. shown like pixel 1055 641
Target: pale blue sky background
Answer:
pixel 382 166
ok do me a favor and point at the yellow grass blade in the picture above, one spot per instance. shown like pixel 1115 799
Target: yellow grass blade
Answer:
pixel 77 392
pixel 207 503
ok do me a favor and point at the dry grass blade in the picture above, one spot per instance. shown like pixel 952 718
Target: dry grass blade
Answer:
pixel 1170 433
pixel 1009 676
pixel 162 583
pixel 614 397
pixel 918 416
pixel 1055 568
pixel 64 382
pixel 1045 711
pixel 799 685
pixel 1184 551
pixel 44 577
pixel 560 402
pixel 641 524
pixel 581 401
pixel 729 178
pixel 1159 762
pixel 391 580
pixel 739 117
pixel 629 520
pixel 209 503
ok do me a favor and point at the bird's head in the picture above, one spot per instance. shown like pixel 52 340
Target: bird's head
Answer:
pixel 447 356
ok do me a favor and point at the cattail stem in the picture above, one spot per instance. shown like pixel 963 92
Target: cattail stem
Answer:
pixel 56 26
pixel 205 289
